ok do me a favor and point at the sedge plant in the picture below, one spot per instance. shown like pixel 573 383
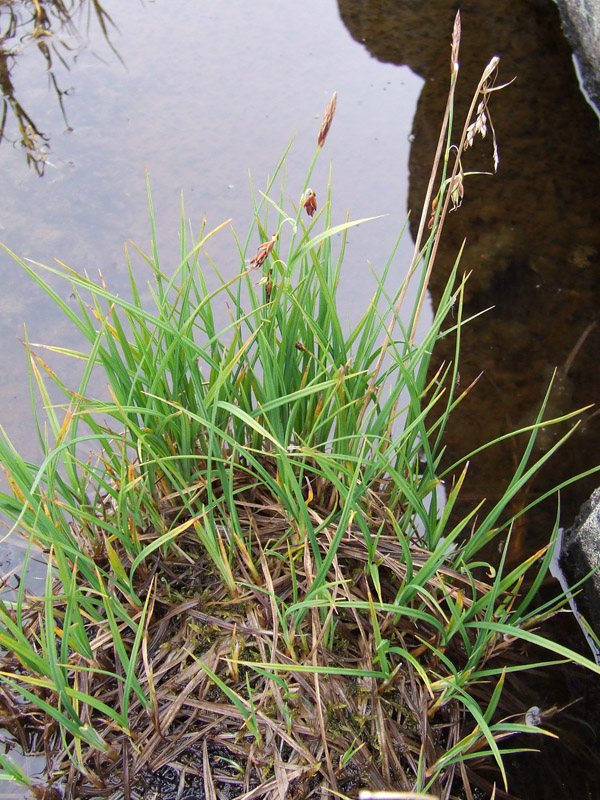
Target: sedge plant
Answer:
pixel 250 571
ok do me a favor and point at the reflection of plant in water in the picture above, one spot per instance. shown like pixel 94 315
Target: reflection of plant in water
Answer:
pixel 40 22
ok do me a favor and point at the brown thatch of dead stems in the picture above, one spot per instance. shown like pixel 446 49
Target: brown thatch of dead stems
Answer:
pixel 316 732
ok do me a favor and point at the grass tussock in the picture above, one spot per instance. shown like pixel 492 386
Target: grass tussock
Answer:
pixel 253 589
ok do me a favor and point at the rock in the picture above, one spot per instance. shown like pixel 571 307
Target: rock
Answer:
pixel 581 24
pixel 580 556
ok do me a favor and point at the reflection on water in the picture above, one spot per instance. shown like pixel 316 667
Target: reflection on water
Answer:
pixel 50 26
pixel 533 241
pixel 532 235
pixel 205 93
pixel 533 247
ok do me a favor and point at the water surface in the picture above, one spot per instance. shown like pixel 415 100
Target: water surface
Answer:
pixel 197 96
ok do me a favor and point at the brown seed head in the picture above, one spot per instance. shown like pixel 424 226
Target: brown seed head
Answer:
pixel 309 201
pixel 327 120
pixel 456 34
pixel 263 251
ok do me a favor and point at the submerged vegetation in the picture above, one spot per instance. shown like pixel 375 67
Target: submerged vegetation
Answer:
pixel 252 583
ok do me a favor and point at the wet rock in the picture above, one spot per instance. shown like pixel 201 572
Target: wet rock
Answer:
pixel 580 555
pixel 581 24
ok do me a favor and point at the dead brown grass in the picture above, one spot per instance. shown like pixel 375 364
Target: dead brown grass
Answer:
pixel 318 734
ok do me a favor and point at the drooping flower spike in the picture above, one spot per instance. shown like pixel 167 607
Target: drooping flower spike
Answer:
pixel 263 251
pixel 309 201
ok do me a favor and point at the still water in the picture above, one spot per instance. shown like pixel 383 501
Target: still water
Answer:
pixel 198 97
pixel 198 94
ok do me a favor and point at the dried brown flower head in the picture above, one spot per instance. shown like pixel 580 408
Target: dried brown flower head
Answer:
pixel 309 201
pixel 263 251
pixel 327 120
pixel 434 205
pixel 456 34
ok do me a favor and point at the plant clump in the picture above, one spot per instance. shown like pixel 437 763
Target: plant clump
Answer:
pixel 253 589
